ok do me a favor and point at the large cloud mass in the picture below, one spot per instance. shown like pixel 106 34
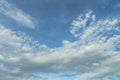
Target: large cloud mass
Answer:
pixel 95 55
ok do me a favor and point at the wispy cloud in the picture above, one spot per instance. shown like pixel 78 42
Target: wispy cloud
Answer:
pixel 93 56
pixel 18 15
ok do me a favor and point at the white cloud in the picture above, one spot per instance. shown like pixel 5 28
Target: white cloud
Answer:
pixel 18 15
pixel 93 55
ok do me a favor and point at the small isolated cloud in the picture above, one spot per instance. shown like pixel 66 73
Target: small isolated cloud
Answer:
pixel 94 56
pixel 18 15
pixel 116 5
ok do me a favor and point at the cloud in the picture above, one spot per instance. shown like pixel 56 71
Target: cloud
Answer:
pixel 117 5
pixel 18 15
pixel 94 56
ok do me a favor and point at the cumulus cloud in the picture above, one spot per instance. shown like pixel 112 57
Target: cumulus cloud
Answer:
pixel 18 15
pixel 94 56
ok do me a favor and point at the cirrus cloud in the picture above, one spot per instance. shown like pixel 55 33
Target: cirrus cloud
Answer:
pixel 16 14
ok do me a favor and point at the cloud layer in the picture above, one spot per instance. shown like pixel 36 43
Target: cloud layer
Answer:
pixel 16 14
pixel 94 56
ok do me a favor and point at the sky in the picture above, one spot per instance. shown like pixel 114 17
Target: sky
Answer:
pixel 59 40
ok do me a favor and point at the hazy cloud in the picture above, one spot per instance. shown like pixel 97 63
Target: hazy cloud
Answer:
pixel 18 15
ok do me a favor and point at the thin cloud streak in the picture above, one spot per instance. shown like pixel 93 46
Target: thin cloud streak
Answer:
pixel 18 15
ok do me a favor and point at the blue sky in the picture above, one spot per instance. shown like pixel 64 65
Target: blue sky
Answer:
pixel 59 39
pixel 58 14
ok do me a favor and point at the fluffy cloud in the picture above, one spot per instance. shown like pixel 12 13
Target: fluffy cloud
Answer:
pixel 95 55
pixel 18 15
